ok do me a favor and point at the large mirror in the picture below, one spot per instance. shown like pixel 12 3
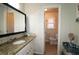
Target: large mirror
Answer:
pixel 11 20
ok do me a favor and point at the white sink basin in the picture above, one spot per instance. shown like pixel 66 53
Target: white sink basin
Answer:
pixel 19 42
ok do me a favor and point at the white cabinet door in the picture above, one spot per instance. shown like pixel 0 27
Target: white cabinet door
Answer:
pixel 23 51
pixel 27 50
pixel 31 49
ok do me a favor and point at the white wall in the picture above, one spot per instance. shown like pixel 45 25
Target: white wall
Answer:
pixel 35 25
pixel 19 22
pixel 3 19
pixel 35 14
pixel 68 24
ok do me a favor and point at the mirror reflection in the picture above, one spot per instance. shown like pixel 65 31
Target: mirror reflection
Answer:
pixel 11 21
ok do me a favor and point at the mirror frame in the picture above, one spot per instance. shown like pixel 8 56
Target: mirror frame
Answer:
pixel 8 34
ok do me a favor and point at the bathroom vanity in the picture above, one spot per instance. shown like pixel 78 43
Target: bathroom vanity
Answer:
pixel 26 50
pixel 19 46
pixel 12 22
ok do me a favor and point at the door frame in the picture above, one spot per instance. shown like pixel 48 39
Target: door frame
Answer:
pixel 59 19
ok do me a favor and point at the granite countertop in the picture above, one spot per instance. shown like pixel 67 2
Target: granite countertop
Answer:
pixel 11 49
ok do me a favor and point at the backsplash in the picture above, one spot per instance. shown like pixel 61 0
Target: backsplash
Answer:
pixel 8 38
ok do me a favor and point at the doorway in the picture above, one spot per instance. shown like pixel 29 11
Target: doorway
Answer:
pixel 51 30
pixel 10 22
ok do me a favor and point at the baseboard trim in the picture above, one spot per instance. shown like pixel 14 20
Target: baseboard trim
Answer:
pixel 37 54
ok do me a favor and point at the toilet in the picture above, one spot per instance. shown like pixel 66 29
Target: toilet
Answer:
pixel 53 40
